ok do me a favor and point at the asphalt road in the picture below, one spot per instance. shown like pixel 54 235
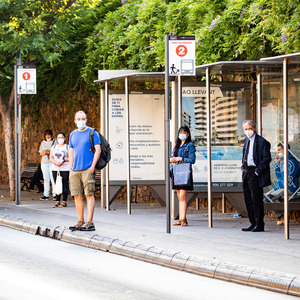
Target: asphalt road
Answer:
pixel 34 267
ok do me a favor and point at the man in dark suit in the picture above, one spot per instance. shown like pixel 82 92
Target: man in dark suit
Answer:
pixel 256 175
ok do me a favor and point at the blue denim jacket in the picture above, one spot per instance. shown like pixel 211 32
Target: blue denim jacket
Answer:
pixel 187 152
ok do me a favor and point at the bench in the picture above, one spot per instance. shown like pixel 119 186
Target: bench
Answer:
pixel 294 204
pixel 27 174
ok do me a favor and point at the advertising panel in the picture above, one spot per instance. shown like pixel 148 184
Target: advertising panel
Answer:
pixel 146 114
pixel 228 111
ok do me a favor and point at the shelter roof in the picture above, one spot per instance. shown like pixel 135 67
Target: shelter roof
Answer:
pixel 294 58
pixel 134 75
pixel 239 67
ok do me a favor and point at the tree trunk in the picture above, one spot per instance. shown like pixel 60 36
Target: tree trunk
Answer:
pixel 6 113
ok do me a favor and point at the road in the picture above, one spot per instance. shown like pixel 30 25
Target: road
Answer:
pixel 34 267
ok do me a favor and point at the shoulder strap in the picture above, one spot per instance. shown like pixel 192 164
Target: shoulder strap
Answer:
pixel 92 138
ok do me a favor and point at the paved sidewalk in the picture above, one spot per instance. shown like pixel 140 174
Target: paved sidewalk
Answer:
pixel 263 259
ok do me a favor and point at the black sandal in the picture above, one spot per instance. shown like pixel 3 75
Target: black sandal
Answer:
pixel 57 204
pixel 64 204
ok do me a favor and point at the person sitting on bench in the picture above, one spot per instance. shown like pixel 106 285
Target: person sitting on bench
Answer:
pixel 276 194
pixel 36 180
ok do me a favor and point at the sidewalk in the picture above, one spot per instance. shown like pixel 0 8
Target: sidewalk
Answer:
pixel 262 259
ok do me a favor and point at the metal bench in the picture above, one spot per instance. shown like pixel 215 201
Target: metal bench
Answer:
pixel 27 174
pixel 294 204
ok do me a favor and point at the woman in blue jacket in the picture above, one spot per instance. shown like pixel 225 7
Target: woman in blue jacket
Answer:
pixel 183 152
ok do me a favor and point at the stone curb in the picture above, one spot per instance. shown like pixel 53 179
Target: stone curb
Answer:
pixel 274 281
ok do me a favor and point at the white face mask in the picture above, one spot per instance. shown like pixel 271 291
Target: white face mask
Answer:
pixel 48 140
pixel 182 136
pixel 249 133
pixel 61 141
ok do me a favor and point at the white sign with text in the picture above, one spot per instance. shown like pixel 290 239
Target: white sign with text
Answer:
pixel 146 136
pixel 26 80
pixel 181 55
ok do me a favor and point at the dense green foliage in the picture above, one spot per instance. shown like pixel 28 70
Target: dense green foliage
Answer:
pixel 71 40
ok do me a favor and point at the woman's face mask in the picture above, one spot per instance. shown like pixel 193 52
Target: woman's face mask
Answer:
pixel 61 141
pixel 182 136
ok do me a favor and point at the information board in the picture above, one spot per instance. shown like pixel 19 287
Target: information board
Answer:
pixel 146 136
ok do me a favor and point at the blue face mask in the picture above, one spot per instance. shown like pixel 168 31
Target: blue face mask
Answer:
pixel 81 124
pixel 280 155
pixel 182 136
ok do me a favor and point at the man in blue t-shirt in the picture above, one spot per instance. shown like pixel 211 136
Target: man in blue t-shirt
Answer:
pixel 82 162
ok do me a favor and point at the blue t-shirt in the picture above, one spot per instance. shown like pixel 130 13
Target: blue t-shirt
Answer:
pixel 82 148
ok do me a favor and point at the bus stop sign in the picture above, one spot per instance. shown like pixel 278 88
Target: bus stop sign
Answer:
pixel 26 80
pixel 181 55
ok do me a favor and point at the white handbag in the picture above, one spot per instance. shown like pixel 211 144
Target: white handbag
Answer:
pixel 58 184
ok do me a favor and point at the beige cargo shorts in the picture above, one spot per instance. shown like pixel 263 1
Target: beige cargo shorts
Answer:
pixel 82 181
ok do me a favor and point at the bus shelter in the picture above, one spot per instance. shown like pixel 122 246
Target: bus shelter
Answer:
pixel 213 103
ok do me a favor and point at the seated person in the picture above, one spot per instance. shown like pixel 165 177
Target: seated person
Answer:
pixel 294 172
pixel 36 180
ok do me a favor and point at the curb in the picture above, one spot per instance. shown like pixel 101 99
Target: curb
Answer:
pixel 273 281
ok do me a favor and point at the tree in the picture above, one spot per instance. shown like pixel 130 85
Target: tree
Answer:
pixel 43 31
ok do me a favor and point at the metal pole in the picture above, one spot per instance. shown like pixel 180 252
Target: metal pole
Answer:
pixel 167 135
pixel 285 138
pixel 128 148
pixel 223 203
pixel 102 126
pixel 107 196
pixel 259 103
pixel 179 101
pixel 17 133
pixel 208 124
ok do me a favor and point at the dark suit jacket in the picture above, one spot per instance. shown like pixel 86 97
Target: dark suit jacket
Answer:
pixel 262 159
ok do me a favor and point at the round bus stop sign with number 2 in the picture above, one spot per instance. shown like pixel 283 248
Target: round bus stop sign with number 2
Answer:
pixel 181 50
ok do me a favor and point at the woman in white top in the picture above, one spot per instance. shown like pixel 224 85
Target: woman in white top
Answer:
pixel 60 160
pixel 46 165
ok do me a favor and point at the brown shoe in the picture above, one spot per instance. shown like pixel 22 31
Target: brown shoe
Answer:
pixel 177 223
pixel 76 226
pixel 280 221
pixel 184 222
pixel 87 226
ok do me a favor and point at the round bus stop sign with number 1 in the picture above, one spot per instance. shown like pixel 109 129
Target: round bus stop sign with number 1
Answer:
pixel 181 55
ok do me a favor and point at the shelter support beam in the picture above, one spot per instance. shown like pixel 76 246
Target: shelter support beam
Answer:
pixel 175 104
pixel 258 106
pixel 107 197
pixel 128 173
pixel 285 137
pixel 208 132
pixel 102 128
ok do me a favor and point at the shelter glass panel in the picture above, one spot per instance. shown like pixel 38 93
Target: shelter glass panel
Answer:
pixel 272 116
pixel 230 105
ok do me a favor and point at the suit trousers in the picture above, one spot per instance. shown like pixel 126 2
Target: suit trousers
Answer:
pixel 253 195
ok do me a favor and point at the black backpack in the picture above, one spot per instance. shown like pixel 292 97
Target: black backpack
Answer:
pixel 105 149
